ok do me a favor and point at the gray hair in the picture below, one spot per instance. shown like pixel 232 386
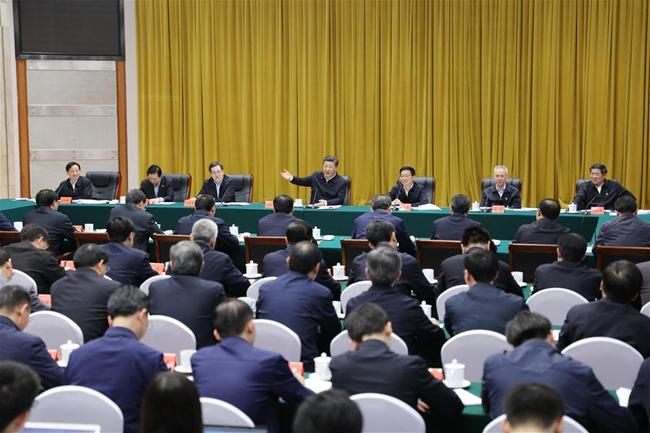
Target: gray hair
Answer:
pixel 186 258
pixel 204 230
pixel 501 167
pixel 384 265
pixel 381 201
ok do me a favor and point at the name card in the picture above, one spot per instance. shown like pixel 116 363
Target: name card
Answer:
pixel 170 360
pixel 405 206
pixel 498 209
pixel 189 202
pixel 597 210
pixel 65 200
pixel 268 204
pixel 297 368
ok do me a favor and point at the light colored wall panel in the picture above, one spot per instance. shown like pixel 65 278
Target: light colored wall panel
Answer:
pixel 71 87
pixel 72 132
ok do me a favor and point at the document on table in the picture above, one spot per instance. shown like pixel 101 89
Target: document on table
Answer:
pixel 427 206
pixel 523 209
pixel 91 201
pixel 330 207
pixel 467 397
pixel 236 203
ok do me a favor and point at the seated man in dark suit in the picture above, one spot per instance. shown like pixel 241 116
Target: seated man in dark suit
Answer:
pixel 128 265
pixel 275 263
pixel 186 297
pixel 156 187
pixel 19 386
pixel 381 209
pixel 31 256
pixel 482 306
pixel 534 359
pixel 533 407
pixel 117 364
pixel 411 278
pixel 235 371
pixel 218 185
pixel 204 207
pixel 5 224
pixel 75 186
pixel 58 225
pixel 406 190
pixel 10 278
pixel 327 187
pixel 501 193
pixel 365 369
pixel 144 225
pixel 599 191
pixel 627 230
pixel 422 336
pixel 451 227
pixel 569 271
pixel 296 301
pixel 451 269
pixel 639 402
pixel 16 345
pixel 612 316
pixel 275 224
pixel 82 294
pixel 545 230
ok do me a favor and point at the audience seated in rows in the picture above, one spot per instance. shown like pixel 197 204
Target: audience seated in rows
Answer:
pixel 534 408
pixel 276 224
pixel 171 405
pixel 128 265
pixel 18 389
pixel 330 411
pixel 58 225
pixel 545 230
pixel 144 225
pixel 627 229
pixel 451 228
pixel 7 278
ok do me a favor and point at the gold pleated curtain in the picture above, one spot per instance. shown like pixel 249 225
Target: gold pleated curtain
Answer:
pixel 450 87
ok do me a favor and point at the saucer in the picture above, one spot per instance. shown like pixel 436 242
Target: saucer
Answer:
pixel 328 237
pixel 344 278
pixel 466 383
pixel 496 242
pixel 183 370
pixel 252 276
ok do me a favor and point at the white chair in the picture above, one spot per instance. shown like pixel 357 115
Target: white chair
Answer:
pixel 21 279
pixel 570 425
pixel 168 335
pixel 352 291
pixel 80 405
pixel 385 414
pixel 342 343
pixel 145 285
pixel 646 309
pixel 54 329
pixel 444 296
pixel 615 363
pixel 472 349
pixel 554 303
pixel 276 337
pixel 219 412
pixel 253 290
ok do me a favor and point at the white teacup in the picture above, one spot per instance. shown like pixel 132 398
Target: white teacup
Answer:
pixel 89 227
pixel 339 271
pixel 66 350
pixel 573 207
pixel 297 202
pixel 316 233
pixel 518 276
pixel 476 206
pixel 454 374
pixel 429 274
pixel 122 199
pixel 322 367
pixel 18 225
pixel 186 358
pixel 251 268
pixel 234 230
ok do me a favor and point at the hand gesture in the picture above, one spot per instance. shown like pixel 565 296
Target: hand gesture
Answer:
pixel 286 175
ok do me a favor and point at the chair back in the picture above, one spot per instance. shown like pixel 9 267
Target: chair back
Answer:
pixel 221 413
pixel 243 185
pixel 386 414
pixel 348 190
pixel 164 243
pixel 570 425
pixel 342 343
pixel 276 337
pixel 644 310
pixel 472 348
pixel 54 329
pixel 257 247
pixel 487 182
pixel 253 290
pixel 144 287
pixel 581 182
pixel 168 335
pixel 614 362
pixel 444 296
pixel 352 291
pixel 431 253
pixel 77 405
pixel 606 255
pixel 181 185
pixel 350 249
pixel 554 303
pixel 429 188
pixel 98 238
pixel 9 237
pixel 21 279
pixel 106 184
pixel 527 257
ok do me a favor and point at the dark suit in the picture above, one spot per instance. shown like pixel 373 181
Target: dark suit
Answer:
pixel 511 197
pixel 607 318
pixel 275 224
pixel 451 228
pixel 333 190
pixel 374 368
pixel 249 378
pixel 409 322
pixel 5 224
pixel 574 276
pixel 226 241
pixel 587 195
pixel 535 360
pixel 118 366
pixel 38 264
pixel 415 195
pixel 144 225
pixel 165 189
pixel 57 224
pixel 411 280
pixel 226 191
pixel 83 188
pixel 645 288
pixel 192 300
pixel 19 346
pixel 483 306
pixel 82 296
pixel 128 265
pixel 275 264
pixel 303 305
pixel 542 231
pixel 626 231
pixel 403 239
pixel 639 403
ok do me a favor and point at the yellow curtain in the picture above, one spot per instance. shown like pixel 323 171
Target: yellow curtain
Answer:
pixel 451 87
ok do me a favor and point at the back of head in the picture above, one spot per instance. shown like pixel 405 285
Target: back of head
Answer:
pixel 204 202
pixel 379 231
pixel 283 203
pixel 126 300
pixel 572 247
pixel 298 231
pixel 550 208
pixel 13 297
pixel 533 405
pixel 460 204
pixel 204 230
pixel 625 205
pixel 525 326
pixel 482 265
pixel 119 229
pixel 380 202
pixel 303 257
pixel 135 197
pixel 171 405
pixel 231 318
pixel 154 169
pixel 186 258
pixel 622 281
pixel 46 197
pixel 19 385
pixel 366 319
pixel 475 236
pixel 384 265
pixel 328 412
pixel 32 232
pixel 4 256
pixel 89 255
